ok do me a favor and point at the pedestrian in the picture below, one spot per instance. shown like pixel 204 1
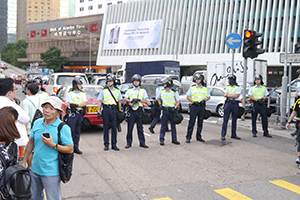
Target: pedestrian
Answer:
pixel 296 98
pixel 13 112
pixel 168 100
pixel 1 75
pixel 296 111
pixel 232 95
pixel 41 93
pixel 158 111
pixel 198 95
pixel 108 97
pixel 8 92
pixel 44 140
pixel 77 100
pixel 8 134
pixel 258 94
pixel 135 96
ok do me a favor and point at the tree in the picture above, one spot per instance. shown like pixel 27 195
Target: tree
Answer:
pixel 53 59
pixel 12 51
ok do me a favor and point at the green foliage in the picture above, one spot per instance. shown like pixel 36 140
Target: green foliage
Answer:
pixel 12 51
pixel 53 59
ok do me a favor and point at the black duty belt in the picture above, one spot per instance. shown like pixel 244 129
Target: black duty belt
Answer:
pixel 110 106
pixel 168 108
pixel 231 101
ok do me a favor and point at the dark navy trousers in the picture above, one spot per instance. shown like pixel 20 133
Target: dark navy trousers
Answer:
pixel 109 116
pixel 167 115
pixel 263 112
pixel 195 111
pixel 230 107
pixel 157 116
pixel 135 116
pixel 75 124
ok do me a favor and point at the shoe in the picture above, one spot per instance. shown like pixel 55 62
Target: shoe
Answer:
pixel 223 138
pixel 188 141
pixel 200 140
pixel 127 146
pixel 235 137
pixel 267 135
pixel 115 148
pixel 144 146
pixel 293 134
pixel 162 143
pixel 151 129
pixel 168 130
pixel 76 150
pixel 106 148
pixel 254 135
pixel 175 142
pixel 298 160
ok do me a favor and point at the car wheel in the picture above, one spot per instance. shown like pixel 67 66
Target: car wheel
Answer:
pixel 220 110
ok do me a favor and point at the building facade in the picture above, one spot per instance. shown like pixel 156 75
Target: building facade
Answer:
pixel 194 31
pixel 3 23
pixel 78 39
pixel 11 21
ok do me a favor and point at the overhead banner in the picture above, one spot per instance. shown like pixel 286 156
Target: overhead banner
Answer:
pixel 132 35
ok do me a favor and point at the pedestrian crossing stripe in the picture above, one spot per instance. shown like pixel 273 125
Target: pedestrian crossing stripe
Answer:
pixel 164 198
pixel 231 194
pixel 287 185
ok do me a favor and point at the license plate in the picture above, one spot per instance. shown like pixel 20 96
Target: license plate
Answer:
pixel 93 109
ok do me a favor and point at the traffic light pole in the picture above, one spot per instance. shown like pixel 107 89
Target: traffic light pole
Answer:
pixel 232 63
pixel 244 86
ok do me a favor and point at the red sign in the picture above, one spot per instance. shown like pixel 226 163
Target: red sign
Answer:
pixel 44 33
pixel 33 34
pixel 270 72
pixel 94 28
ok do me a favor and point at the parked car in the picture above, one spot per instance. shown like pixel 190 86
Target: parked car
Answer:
pixel 99 80
pixel 56 80
pixel 92 92
pixel 91 76
pixel 3 66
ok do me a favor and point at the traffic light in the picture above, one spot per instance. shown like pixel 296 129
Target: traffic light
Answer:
pixel 250 49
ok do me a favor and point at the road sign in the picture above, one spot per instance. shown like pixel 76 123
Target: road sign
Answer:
pixel 291 57
pixel 234 40
pixel 36 64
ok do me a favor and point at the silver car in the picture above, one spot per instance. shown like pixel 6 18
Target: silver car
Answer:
pixel 215 104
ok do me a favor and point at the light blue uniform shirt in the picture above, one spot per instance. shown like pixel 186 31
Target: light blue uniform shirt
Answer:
pixel 45 158
pixel 101 97
pixel 145 95
pixel 158 90
pixel 189 92
pixel 238 91
pixel 177 97
pixel 250 92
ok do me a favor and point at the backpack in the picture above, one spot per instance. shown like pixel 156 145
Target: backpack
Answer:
pixel 38 114
pixel 16 181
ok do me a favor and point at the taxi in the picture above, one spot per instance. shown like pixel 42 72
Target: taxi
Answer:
pixel 91 110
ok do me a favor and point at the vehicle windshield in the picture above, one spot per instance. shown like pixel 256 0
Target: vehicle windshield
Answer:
pixel 92 92
pixel 67 80
pixel 101 82
pixel 119 74
pixel 33 76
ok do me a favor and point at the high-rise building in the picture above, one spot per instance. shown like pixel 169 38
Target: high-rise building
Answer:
pixel 3 23
pixel 64 9
pixel 72 8
pixel 11 21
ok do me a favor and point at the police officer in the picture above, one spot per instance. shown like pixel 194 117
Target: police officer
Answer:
pixel 2 75
pixel 135 95
pixel 169 100
pixel 258 94
pixel 109 113
pixel 77 100
pixel 41 93
pixel 296 98
pixel 197 95
pixel 232 94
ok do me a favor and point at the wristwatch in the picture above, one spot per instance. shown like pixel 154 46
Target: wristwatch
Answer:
pixel 55 146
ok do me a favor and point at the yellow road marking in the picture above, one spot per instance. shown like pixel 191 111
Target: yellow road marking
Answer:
pixel 287 185
pixel 231 194
pixel 164 198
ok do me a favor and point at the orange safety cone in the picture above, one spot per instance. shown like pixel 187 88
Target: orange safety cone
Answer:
pixel 21 151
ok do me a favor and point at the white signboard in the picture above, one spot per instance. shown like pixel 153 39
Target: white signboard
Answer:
pixel 133 35
pixel 291 58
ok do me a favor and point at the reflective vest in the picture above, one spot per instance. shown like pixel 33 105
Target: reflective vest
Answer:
pixel 134 94
pixel 2 76
pixel 198 94
pixel 168 98
pixel 108 99
pixel 77 98
pixel 258 93
pixel 42 96
pixel 232 90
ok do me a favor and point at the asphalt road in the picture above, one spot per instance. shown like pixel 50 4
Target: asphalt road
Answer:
pixel 251 168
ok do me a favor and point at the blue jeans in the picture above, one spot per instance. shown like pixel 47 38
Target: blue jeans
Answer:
pixel 50 183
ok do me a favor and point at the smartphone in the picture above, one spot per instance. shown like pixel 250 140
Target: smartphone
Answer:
pixel 47 135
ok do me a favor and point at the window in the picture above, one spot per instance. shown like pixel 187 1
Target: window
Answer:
pixel 90 7
pixel 99 6
pixel 109 4
pixel 119 2
pixel 81 9
pixel 81 1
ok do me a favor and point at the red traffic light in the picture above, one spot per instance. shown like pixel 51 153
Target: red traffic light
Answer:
pixel 248 34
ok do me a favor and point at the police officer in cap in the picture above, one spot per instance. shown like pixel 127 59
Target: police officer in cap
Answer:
pixel 77 100
pixel 110 108
pixel 197 95
pixel 41 93
pixel 258 94
pixel 169 100
pixel 136 95
pixel 296 98
pixel 232 94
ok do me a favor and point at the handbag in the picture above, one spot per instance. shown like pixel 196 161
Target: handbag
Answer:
pixel 146 118
pixel 65 161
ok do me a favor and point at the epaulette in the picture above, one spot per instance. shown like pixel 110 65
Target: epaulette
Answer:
pixel 173 90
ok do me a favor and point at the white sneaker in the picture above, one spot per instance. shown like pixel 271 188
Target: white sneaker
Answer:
pixel 298 160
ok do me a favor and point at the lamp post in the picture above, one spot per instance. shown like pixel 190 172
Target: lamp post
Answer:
pixel 90 56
